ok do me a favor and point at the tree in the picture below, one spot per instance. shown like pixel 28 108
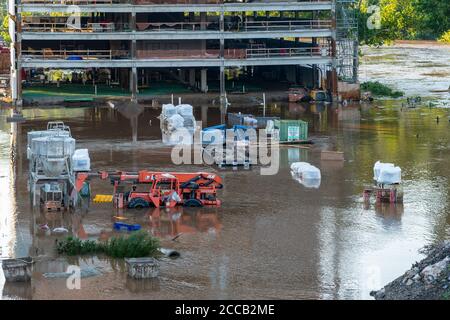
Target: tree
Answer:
pixel 435 19
pixel 4 30
pixel 398 20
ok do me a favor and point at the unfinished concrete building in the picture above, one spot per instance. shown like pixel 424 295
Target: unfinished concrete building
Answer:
pixel 206 45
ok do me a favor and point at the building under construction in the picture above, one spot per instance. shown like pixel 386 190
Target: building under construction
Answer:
pixel 202 44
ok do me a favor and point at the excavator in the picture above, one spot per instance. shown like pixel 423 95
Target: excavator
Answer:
pixel 158 189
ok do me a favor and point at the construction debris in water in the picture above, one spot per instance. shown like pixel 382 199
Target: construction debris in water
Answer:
pixel 306 174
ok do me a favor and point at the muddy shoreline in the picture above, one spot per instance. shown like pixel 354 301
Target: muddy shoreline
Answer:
pixel 428 279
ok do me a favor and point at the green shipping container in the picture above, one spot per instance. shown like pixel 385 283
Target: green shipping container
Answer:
pixel 292 130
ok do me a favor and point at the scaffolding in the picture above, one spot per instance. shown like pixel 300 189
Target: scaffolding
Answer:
pixel 347 40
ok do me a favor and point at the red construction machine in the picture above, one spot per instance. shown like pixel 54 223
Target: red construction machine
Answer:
pixel 159 189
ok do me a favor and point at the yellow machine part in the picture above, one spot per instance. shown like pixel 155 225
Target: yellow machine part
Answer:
pixel 102 198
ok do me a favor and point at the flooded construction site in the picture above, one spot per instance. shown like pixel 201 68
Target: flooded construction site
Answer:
pixel 272 237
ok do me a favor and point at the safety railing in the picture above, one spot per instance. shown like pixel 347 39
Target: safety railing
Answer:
pixel 168 26
pixel 219 1
pixel 190 54
pixel 76 2
pixel 143 2
pixel 247 26
pixel 107 26
pixel 65 27
pixel 285 25
pixel 234 53
pixel 49 54
pixel 288 52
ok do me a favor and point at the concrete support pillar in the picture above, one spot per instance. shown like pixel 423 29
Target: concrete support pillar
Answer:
pixel 133 84
pixel 14 26
pixel 182 75
pixel 203 80
pixel 223 93
pixel 133 49
pixel 133 72
pixel 203 19
pixel 315 77
pixel 192 77
pixel 334 75
pixel 204 115
pixel 334 84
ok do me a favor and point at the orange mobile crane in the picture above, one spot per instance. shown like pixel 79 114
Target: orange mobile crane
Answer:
pixel 159 189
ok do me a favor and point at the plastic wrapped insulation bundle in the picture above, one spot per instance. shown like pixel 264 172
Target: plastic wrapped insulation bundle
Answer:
pixel 306 174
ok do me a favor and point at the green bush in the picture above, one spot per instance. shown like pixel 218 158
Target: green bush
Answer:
pixel 138 244
pixel 381 90
pixel 445 38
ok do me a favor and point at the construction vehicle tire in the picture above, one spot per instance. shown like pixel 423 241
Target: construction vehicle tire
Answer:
pixel 138 203
pixel 193 203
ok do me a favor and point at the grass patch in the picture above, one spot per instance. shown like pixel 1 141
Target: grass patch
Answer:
pixel 138 244
pixel 381 90
pixel 75 90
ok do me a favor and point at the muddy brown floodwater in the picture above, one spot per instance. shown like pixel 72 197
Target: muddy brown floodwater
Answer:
pixel 272 238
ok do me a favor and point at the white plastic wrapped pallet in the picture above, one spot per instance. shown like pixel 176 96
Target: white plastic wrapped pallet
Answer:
pixel 185 110
pixel 168 110
pixel 390 175
pixel 81 160
pixel 175 122
pixel 378 167
pixel 178 136
pixel 189 123
pixel 306 171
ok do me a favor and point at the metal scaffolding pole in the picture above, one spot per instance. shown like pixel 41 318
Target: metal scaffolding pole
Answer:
pixel 346 40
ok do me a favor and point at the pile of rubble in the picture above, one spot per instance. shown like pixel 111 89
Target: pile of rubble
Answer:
pixel 428 279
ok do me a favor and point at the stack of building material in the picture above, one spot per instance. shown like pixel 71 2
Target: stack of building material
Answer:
pixel 177 124
pixel 306 174
pixel 186 111
pixel 387 173
pixel 81 160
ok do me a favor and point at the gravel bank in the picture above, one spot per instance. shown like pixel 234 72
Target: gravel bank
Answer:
pixel 428 279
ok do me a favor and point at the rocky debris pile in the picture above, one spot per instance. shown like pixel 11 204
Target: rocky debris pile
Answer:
pixel 428 279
